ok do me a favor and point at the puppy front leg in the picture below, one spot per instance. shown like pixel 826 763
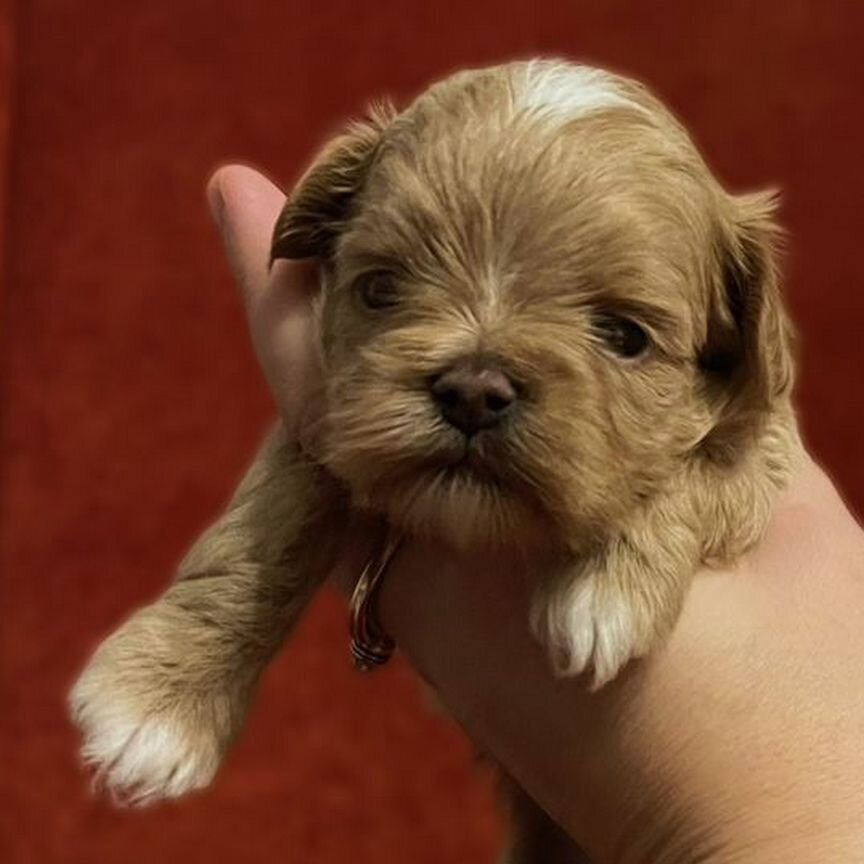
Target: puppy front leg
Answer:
pixel 164 696
pixel 619 601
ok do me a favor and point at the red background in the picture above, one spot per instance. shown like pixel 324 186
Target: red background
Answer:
pixel 131 402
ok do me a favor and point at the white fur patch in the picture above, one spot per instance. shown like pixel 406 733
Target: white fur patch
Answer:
pixel 565 91
pixel 586 627
pixel 139 758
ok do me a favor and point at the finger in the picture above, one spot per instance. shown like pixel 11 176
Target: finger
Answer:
pixel 282 323
pixel 245 206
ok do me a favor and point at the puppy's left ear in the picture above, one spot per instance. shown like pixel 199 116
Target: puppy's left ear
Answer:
pixel 320 204
pixel 747 356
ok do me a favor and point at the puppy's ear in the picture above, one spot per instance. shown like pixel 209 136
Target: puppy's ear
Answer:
pixel 747 355
pixel 317 209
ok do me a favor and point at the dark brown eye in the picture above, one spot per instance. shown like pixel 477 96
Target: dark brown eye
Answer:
pixel 378 290
pixel 625 337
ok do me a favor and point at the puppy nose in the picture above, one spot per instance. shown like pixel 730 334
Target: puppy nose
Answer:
pixel 472 397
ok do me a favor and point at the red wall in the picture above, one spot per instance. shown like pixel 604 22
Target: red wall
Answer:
pixel 130 400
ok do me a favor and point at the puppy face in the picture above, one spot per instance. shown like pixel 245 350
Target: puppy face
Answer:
pixel 539 306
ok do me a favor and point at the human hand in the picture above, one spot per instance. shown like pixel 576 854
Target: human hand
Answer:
pixel 740 740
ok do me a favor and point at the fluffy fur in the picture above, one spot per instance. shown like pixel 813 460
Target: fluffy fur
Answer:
pixel 511 218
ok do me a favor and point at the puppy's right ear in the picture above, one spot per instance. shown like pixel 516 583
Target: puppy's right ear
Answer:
pixel 318 208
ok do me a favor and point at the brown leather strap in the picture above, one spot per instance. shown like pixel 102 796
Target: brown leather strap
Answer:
pixel 371 645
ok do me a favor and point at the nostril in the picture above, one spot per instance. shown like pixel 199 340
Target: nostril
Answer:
pixel 498 402
pixel 447 395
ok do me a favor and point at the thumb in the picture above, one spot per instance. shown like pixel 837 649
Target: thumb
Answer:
pixel 245 206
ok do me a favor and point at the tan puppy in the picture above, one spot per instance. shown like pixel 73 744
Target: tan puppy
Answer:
pixel 544 325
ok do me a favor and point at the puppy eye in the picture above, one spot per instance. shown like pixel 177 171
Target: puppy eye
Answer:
pixel 378 290
pixel 625 337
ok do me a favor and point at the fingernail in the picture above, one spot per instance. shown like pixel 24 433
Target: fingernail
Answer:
pixel 216 202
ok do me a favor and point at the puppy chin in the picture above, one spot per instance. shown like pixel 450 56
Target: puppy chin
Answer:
pixel 461 510
pixel 427 484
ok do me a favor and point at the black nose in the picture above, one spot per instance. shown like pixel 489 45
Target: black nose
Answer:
pixel 473 396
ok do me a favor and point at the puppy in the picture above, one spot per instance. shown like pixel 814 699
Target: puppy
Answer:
pixel 545 326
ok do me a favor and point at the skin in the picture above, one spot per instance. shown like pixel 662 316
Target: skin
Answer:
pixel 742 739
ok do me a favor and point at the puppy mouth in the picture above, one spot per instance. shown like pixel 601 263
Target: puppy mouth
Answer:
pixel 480 465
pixel 470 463
pixel 469 493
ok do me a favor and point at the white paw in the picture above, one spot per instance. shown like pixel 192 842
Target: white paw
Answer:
pixel 141 750
pixel 589 625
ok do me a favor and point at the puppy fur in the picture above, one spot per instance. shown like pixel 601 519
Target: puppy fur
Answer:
pixel 529 219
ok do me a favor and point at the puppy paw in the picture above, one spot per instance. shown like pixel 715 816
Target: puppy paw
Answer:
pixel 150 729
pixel 140 753
pixel 593 625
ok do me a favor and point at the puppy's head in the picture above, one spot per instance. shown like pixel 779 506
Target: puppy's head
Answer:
pixel 538 305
